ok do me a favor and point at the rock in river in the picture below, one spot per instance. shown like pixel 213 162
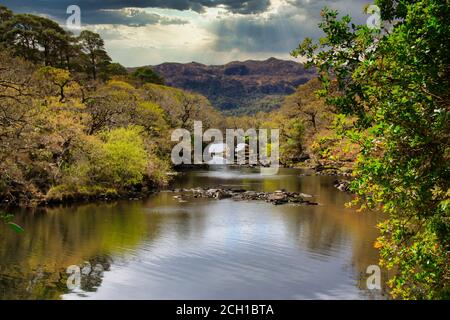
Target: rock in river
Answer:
pixel 277 198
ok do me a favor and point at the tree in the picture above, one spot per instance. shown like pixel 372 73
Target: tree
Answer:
pixel 53 39
pixel 110 106
pixel 5 14
pixel 121 160
pixel 37 128
pixel 292 136
pixel 94 48
pixel 147 75
pixel 38 39
pixel 397 83
pixel 64 136
pixel 20 33
pixel 182 107
pixel 56 77
pixel 17 113
pixel 116 69
pixel 307 130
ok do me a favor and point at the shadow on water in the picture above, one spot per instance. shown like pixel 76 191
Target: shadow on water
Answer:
pixel 166 248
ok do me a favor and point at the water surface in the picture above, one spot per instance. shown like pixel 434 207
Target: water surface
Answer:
pixel 166 248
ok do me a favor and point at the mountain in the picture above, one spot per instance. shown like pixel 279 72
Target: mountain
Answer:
pixel 239 87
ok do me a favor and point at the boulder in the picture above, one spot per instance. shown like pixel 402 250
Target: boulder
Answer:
pixel 221 194
pixel 342 185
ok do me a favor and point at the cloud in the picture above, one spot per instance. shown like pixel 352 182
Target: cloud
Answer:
pixel 97 11
pixel 130 17
pixel 209 31
pixel 244 7
pixel 278 34
pixel 280 29
pixel 352 7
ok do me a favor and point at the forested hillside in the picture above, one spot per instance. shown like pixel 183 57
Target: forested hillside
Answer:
pixel 373 105
pixel 311 131
pixel 239 87
pixel 74 125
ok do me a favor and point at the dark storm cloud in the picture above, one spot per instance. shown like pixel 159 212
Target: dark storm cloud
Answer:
pixel 249 28
pixel 129 17
pixel 281 32
pixel 101 12
pixel 258 36
pixel 243 7
pixel 352 7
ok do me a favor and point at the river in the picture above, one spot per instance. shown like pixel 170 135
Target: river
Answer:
pixel 163 247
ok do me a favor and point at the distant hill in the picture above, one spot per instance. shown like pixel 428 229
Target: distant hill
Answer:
pixel 239 87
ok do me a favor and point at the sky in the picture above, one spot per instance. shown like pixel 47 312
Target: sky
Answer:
pixel 150 32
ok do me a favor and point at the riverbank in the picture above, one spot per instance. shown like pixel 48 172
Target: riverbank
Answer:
pixel 58 196
pixel 164 248
pixel 62 195
pixel 327 168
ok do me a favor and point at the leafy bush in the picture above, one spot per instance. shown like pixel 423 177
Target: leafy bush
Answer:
pixel 147 75
pixel 121 160
pixel 397 84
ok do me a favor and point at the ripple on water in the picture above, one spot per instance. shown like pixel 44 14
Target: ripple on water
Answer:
pixel 205 249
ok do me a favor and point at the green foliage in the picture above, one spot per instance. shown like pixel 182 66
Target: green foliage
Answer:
pixel 96 59
pixel 56 78
pixel 108 164
pixel 5 14
pixel 147 75
pixel 45 42
pixel 182 108
pixel 397 84
pixel 36 38
pixel 292 131
pixel 116 69
pixel 251 104
pixel 421 263
pixel 122 160
pixel 151 117
pixel 309 130
pixel 7 219
pixel 66 136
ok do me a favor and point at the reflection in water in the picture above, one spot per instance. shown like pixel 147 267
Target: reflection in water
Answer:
pixel 162 248
pixel 57 238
